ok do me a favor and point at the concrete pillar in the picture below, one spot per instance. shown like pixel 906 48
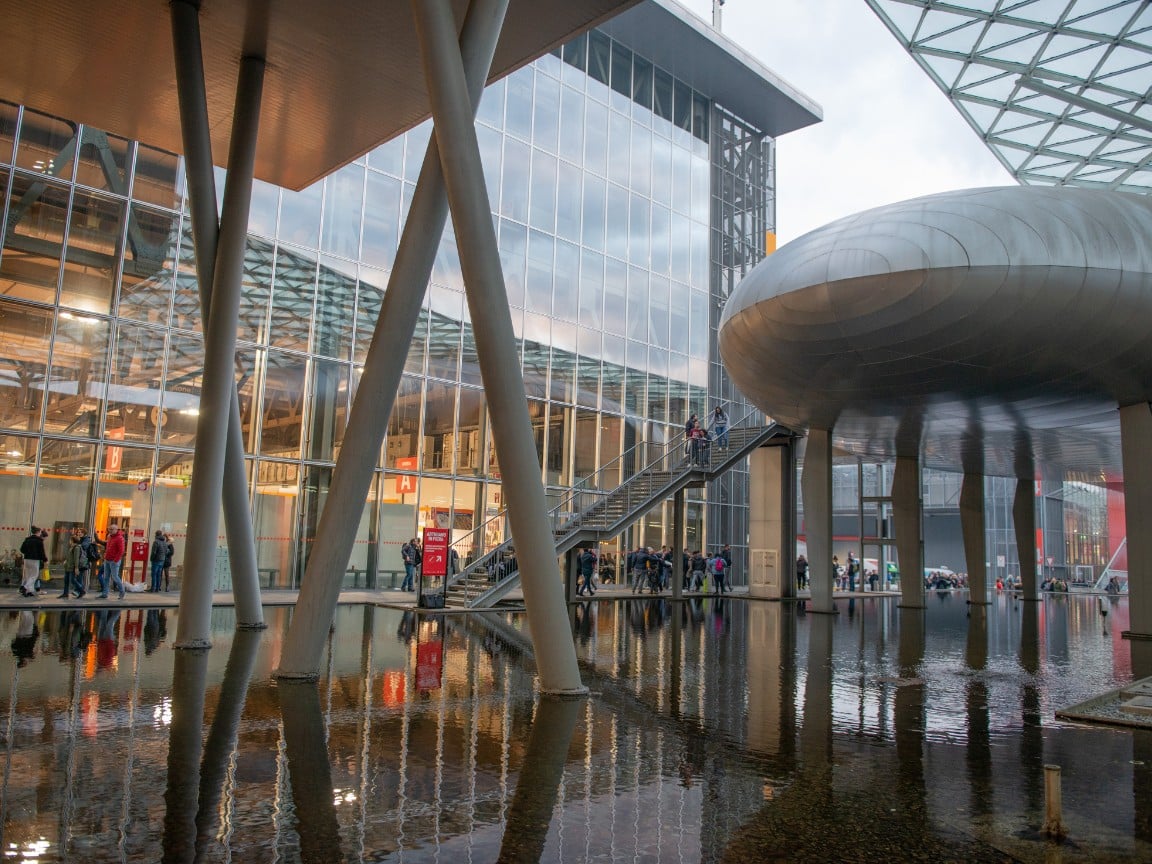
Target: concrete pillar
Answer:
pixel 908 515
pixel 678 545
pixel 368 419
pixel 218 385
pixel 975 542
pixel 496 348
pixel 1136 451
pixel 770 536
pixel 816 482
pixel 201 181
pixel 1024 522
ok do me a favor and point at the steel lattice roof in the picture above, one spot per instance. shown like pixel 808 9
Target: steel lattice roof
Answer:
pixel 1058 89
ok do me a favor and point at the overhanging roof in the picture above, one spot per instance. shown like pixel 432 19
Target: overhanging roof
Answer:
pixel 676 40
pixel 343 76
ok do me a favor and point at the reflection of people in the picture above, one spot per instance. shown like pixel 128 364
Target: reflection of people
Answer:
pixel 24 644
pixel 1113 586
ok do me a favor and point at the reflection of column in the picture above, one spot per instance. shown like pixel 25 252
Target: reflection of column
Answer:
pixel 496 347
pixel 1135 438
pixel 908 514
pixel 531 812
pixel 816 736
pixel 1024 521
pixel 309 771
pixel 979 753
pixel 975 540
pixel 1142 784
pixel 908 713
pixel 816 482
pixel 189 673
pixel 1032 727
pixel 770 663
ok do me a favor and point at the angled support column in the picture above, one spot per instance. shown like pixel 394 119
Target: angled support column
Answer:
pixel 1024 522
pixel 678 546
pixel 496 347
pixel 975 539
pixel 816 483
pixel 908 514
pixel 218 384
pixel 205 236
pixel 771 497
pixel 1136 451
pixel 368 419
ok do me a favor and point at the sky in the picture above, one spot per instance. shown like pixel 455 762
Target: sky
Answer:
pixel 888 132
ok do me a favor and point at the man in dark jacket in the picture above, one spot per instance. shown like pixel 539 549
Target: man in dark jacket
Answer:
pixel 156 557
pixel 34 557
pixel 587 565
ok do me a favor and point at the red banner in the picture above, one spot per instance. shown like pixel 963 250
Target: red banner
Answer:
pixel 429 662
pixel 435 551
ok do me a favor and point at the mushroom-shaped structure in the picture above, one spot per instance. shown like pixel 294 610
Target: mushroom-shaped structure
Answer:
pixel 968 324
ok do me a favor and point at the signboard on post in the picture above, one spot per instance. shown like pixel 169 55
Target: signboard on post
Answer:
pixel 434 566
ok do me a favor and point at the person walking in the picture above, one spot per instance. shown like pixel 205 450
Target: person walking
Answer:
pixel 720 425
pixel 726 554
pixel 697 567
pixel 853 571
pixel 90 557
pixel 113 559
pixel 408 552
pixel 801 573
pixel 719 575
pixel 72 565
pixel 169 551
pixel 156 559
pixel 587 564
pixel 32 549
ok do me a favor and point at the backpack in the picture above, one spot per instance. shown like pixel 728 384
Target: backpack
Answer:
pixel 93 553
pixel 719 565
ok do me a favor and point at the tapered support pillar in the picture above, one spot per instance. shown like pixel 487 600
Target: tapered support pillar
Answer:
pixel 816 483
pixel 368 419
pixel 496 348
pixel 678 546
pixel 205 234
pixel 218 384
pixel 1024 522
pixel 1136 450
pixel 908 514
pixel 975 541
pixel 771 538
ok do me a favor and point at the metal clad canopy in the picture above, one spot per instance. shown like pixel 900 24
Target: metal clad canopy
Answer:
pixel 342 76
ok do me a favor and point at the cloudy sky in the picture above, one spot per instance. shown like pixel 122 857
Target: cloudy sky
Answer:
pixel 888 132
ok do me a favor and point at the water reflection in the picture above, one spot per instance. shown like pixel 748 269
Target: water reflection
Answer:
pixel 717 730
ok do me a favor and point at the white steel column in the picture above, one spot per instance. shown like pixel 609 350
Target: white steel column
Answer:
pixel 205 234
pixel 972 526
pixel 496 348
pixel 678 507
pixel 1024 522
pixel 1136 451
pixel 908 514
pixel 816 483
pixel 218 384
pixel 368 419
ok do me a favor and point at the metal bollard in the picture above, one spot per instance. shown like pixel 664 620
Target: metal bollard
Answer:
pixel 1053 807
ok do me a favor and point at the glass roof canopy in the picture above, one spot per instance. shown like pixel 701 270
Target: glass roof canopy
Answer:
pixel 1058 89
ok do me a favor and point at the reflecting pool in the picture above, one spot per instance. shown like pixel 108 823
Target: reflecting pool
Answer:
pixel 717 730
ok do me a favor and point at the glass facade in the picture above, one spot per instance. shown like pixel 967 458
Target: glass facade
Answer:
pixel 615 190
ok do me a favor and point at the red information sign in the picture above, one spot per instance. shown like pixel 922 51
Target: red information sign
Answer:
pixel 429 662
pixel 435 562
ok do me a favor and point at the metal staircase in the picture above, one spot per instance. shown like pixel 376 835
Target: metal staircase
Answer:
pixel 590 513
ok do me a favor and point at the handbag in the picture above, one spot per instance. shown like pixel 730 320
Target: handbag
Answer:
pixel 45 575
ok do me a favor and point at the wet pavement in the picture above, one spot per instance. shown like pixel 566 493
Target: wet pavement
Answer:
pixel 717 730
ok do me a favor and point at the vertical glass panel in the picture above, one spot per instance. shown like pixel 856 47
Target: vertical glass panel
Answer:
pixel 492 105
pixel 513 258
pixel 536 356
pixel 635 396
pixel 149 264
pixel 402 445
pixel 619 147
pixel 17 467
pixel 681 180
pixel 265 207
pixel 25 340
pixel 637 304
pixel 641 159
pixel 562 382
pixel 588 382
pixel 575 54
pixel 79 375
pixel 328 400
pixel 658 313
pixel 662 96
pixel 472 435
pixel 568 202
pixel 314 489
pixel 292 295
pixel 639 231
pixel 186 294
pixel 9 118
pixel 514 188
pixel 542 208
pixel 124 498
pixel 181 391
pixel 415 148
pixel 47 145
pixel 610 450
pixel 621 70
pixel 615 292
pixel 518 107
pixel 571 124
pixel 417 351
pixel 556 471
pixel 566 294
pixel 389 157
pixel 398 501
pixel 381 220
pixel 252 324
pixel 700 189
pixel 335 308
pixel 661 237
pixel 444 337
pixel 491 145
pixel 134 382
pixel 680 263
pixel 617 243
pixel 469 359
pixel 682 106
pixel 30 262
pixel 596 138
pixel 282 412
pixel 157 178
pixel 662 170
pixel 591 289
pixel 300 216
pixel 592 214
pixel 539 282
pixel 642 82
pixel 93 252
pixel 700 257
pixel 698 339
pixel 64 491
pixel 103 161
pixel 170 502
pixel 678 301
pixel 612 387
pixel 439 427
pixel 343 212
pixel 370 298
pixel 274 520
pixel 546 113
pixel 599 57
pixel 538 414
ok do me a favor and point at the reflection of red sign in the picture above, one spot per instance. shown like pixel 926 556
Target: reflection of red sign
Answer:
pixel 435 562
pixel 429 662
pixel 113 456
pixel 394 686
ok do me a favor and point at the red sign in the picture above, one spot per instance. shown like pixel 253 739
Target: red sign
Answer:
pixel 139 551
pixel 394 684
pixel 406 483
pixel 435 563
pixel 429 662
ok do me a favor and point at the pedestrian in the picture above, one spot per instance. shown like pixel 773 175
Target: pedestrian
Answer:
pixel 697 567
pixel 587 565
pixel 698 445
pixel 32 549
pixel 639 569
pixel 726 554
pixel 719 575
pixel 801 573
pixel 113 559
pixel 169 551
pixel 408 553
pixel 853 571
pixel 720 426
pixel 72 567
pixel 156 560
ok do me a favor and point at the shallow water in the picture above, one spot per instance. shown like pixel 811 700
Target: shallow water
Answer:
pixel 716 731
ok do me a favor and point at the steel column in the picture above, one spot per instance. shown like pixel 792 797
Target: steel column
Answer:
pixel 816 483
pixel 1135 437
pixel 218 384
pixel 496 348
pixel 1024 523
pixel 372 407
pixel 908 514
pixel 205 235
pixel 678 545
pixel 972 525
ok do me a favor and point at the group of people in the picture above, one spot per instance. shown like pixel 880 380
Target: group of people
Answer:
pixel 699 437
pixel 87 553
pixel 653 570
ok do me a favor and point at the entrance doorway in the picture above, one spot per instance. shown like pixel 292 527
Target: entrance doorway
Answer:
pixel 112 511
